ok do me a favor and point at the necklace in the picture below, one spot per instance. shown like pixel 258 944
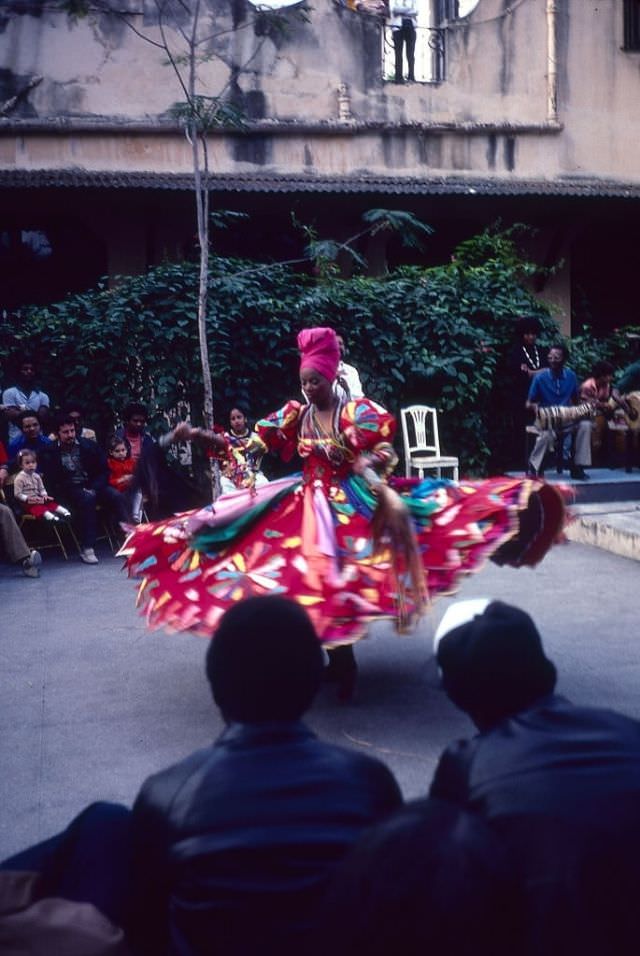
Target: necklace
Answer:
pixel 533 361
pixel 327 442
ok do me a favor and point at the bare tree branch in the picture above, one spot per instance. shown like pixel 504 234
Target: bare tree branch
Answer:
pixel 9 105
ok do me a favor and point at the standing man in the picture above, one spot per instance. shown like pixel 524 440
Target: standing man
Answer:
pixel 404 17
pixel 348 379
pixel 76 473
pixel 134 430
pixel 558 386
pixel 524 360
pixel 25 395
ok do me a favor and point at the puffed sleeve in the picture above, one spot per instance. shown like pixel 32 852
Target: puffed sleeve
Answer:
pixel 370 428
pixel 278 431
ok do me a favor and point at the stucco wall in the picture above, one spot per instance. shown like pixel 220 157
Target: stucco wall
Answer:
pixel 495 94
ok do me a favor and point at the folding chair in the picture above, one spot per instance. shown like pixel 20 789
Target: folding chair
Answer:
pixel 35 531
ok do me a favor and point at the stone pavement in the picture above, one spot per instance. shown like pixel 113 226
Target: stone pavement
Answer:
pixel 92 702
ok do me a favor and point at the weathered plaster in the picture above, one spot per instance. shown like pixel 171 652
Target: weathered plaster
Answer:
pixel 488 118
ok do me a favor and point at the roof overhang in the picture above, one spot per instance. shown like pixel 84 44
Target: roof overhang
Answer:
pixel 354 183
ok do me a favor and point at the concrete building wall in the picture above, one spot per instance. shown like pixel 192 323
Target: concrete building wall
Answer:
pixel 490 116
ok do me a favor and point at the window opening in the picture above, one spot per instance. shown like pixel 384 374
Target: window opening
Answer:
pixel 428 54
pixel 631 25
pixel 464 7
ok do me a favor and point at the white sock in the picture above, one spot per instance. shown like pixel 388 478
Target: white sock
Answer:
pixel 63 511
pixel 49 516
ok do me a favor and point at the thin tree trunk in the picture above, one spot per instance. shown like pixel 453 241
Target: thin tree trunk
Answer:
pixel 201 187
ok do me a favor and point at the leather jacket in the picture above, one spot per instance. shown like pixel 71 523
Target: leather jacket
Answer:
pixel 234 845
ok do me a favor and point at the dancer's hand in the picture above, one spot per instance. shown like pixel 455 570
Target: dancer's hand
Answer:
pixel 391 519
pixel 182 432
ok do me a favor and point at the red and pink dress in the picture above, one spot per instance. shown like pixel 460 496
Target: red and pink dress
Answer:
pixel 309 536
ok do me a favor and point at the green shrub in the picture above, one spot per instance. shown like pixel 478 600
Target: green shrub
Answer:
pixel 435 335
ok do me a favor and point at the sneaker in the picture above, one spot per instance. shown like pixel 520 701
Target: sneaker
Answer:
pixel 88 555
pixel 31 564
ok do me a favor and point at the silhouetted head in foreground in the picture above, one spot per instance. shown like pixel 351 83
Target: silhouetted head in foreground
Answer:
pixel 492 660
pixel 265 661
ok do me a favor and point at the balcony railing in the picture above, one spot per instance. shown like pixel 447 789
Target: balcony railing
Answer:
pixel 429 55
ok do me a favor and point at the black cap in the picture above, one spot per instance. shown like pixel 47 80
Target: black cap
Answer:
pixel 494 665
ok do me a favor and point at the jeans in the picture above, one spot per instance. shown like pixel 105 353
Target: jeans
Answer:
pixel 83 502
pixel 89 862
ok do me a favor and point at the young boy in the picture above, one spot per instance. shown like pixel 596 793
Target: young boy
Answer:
pixel 29 490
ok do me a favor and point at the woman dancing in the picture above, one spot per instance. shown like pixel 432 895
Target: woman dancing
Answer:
pixel 342 539
pixel 242 466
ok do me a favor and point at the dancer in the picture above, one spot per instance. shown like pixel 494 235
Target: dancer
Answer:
pixel 339 539
pixel 242 466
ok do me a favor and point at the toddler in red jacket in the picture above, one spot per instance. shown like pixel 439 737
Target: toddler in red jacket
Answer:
pixel 122 475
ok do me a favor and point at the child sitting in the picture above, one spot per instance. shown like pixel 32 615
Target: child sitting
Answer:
pixel 29 490
pixel 122 468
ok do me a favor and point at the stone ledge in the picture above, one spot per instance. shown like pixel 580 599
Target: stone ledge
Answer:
pixel 617 531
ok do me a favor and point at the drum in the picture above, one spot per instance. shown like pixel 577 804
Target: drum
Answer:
pixel 559 416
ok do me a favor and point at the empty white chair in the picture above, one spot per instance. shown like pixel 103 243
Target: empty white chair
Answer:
pixel 422 442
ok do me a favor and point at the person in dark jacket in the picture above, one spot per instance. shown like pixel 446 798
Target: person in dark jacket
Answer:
pixel 77 469
pixel 234 846
pixel 432 879
pixel 559 784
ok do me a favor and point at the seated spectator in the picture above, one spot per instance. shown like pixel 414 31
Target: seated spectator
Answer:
pixel 4 425
pixel 599 391
pixel 69 895
pixel 122 477
pixel 559 783
pixel 13 545
pixel 75 412
pixel 629 380
pixel 4 466
pixel 553 387
pixel 24 395
pixel 629 386
pixel 234 846
pixel 29 435
pixel 30 492
pixel 432 879
pixel 75 470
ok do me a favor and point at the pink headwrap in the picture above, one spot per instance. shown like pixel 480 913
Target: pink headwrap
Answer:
pixel 320 351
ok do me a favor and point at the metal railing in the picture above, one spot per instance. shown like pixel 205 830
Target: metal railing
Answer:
pixel 429 55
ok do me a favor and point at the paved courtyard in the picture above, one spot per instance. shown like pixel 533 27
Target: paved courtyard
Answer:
pixel 92 702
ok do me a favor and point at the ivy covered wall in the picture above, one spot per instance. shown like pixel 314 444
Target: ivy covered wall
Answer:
pixel 437 335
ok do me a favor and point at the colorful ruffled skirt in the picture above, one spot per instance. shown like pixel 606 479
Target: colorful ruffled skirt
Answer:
pixel 314 545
